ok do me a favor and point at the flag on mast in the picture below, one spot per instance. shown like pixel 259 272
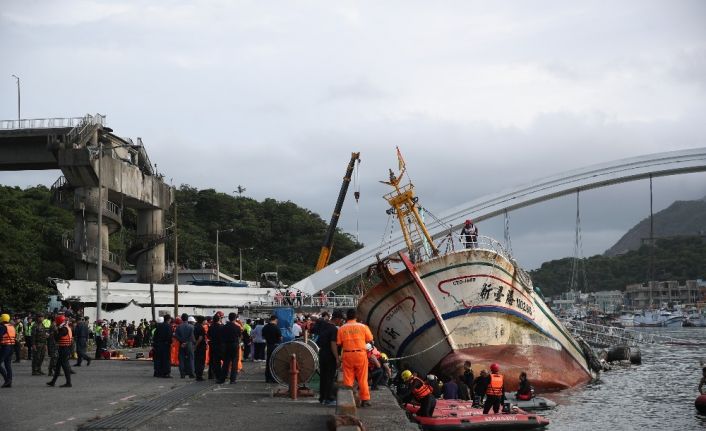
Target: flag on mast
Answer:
pixel 400 160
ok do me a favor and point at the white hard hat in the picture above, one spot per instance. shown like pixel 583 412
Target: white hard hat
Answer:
pixel 160 319
pixel 191 319
pixel 368 346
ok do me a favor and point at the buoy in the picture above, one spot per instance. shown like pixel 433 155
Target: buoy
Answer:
pixel 700 404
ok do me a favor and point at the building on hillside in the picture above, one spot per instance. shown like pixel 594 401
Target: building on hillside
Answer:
pixel 608 301
pixel 656 293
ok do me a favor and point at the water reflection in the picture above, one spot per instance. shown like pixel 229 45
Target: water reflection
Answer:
pixel 657 395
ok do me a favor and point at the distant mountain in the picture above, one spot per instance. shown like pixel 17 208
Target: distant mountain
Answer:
pixel 682 218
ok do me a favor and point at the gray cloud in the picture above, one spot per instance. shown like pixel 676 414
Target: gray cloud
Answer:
pixel 480 97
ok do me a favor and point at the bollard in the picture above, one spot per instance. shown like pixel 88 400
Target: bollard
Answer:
pixel 293 377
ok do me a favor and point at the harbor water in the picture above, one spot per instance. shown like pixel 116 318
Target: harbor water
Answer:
pixel 659 394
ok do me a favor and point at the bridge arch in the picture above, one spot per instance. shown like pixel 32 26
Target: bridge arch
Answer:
pixel 590 177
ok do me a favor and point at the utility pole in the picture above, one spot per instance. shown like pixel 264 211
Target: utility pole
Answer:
pixel 176 261
pixel 19 112
pixel 99 271
pixel 240 252
pixel 218 262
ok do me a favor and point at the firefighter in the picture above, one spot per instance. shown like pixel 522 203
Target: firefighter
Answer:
pixel 495 391
pixel 420 391
pixel 352 337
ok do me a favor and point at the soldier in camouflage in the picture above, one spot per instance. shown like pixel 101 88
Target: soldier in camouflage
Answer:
pixel 39 341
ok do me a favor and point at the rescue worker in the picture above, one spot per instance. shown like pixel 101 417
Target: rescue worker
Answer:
pixel 52 349
pixel 495 393
pixel 40 336
pixel 20 337
pixel 63 338
pixel 81 335
pixel 469 234
pixel 328 357
pixel 162 341
pixel 702 383
pixel 200 330
pixel 468 376
pixel 214 339
pixel 352 337
pixel 524 392
pixel 230 346
pixel 184 334
pixel 375 371
pixel 8 336
pixel 480 385
pixel 273 336
pixel 420 391
pixel 28 336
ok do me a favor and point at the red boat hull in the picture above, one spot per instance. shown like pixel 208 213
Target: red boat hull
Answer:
pixel 547 369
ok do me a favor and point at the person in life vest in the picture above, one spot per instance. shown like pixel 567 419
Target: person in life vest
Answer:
pixel 8 336
pixel 495 392
pixel 352 337
pixel 420 391
pixel 64 339
pixel 469 234
pixel 375 371
pixel 524 392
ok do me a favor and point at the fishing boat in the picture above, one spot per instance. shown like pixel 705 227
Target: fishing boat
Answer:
pixel 435 310
pixel 659 318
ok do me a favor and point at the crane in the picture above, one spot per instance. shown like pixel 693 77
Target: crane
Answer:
pixel 326 248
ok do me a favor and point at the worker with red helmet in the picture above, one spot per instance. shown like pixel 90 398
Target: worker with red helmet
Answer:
pixel 469 234
pixel 495 393
pixel 64 339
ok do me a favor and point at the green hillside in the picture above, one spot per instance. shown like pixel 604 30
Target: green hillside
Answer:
pixel 283 237
pixel 678 258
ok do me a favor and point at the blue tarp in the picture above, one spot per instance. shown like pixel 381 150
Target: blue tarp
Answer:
pixel 285 318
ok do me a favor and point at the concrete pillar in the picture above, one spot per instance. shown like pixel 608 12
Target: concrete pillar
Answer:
pixel 150 264
pixel 86 233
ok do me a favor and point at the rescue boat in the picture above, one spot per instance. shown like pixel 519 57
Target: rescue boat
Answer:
pixel 453 415
pixel 439 309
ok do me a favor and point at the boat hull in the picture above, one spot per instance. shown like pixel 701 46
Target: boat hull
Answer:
pixel 490 314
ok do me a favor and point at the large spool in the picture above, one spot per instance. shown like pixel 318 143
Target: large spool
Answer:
pixel 307 361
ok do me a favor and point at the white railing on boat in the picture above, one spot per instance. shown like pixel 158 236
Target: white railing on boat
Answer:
pixel 333 301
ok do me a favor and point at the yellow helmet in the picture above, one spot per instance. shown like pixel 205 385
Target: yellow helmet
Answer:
pixel 406 374
pixel 383 356
pixel 4 318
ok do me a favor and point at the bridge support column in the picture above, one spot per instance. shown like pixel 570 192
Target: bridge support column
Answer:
pixel 86 232
pixel 150 264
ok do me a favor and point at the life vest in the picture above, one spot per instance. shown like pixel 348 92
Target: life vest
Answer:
pixel 423 391
pixel 495 388
pixel 65 340
pixel 8 338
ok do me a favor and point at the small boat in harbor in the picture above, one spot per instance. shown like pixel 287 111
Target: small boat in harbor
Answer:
pixel 453 415
pixel 475 304
pixel 658 318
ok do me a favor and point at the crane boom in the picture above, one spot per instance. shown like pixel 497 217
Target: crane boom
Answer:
pixel 325 254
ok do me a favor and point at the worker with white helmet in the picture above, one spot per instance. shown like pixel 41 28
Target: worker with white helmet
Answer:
pixel 8 336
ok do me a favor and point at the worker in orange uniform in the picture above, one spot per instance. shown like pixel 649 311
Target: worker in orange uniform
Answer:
pixel 496 390
pixel 352 337
pixel 64 339
pixel 8 337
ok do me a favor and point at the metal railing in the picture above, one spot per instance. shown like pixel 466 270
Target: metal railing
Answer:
pixel 110 209
pixel 601 335
pixel 337 301
pixel 51 123
pixel 86 126
pixel 91 253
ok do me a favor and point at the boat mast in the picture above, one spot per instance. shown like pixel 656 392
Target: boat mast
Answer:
pixel 404 205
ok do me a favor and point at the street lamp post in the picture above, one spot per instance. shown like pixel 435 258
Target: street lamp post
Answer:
pixel 218 263
pixel 19 116
pixel 99 275
pixel 240 253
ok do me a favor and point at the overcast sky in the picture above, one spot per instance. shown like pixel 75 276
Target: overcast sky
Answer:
pixel 479 96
